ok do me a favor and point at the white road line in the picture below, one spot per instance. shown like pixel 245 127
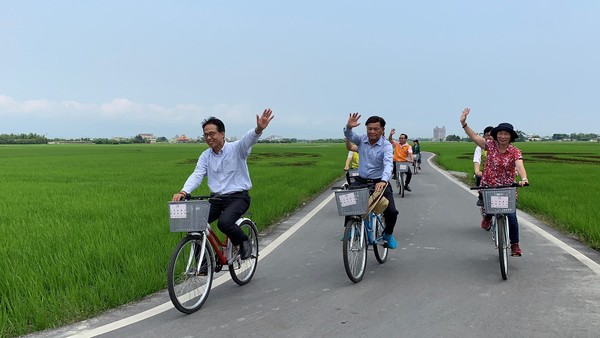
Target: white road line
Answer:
pixel 225 277
pixel 595 267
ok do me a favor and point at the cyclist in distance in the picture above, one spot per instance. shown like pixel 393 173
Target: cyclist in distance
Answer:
pixel 417 152
pixel 224 164
pixel 375 165
pixel 478 162
pixel 402 153
pixel 352 159
pixel 503 159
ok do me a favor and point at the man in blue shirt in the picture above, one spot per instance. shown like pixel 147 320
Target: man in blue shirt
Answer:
pixel 375 165
pixel 224 165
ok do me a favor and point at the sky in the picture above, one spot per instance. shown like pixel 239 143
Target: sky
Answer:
pixel 102 69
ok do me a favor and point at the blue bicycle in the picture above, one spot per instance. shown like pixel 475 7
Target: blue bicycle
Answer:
pixel 362 228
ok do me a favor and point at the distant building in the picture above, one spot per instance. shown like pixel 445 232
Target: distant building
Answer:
pixel 150 137
pixel 439 134
pixel 183 139
pixel 274 138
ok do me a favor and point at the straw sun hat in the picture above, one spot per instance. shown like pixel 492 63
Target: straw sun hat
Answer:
pixel 377 202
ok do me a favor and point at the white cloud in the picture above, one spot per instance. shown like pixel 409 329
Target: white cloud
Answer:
pixel 120 109
pixel 122 116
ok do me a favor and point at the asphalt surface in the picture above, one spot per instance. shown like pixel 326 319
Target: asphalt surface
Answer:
pixel 443 280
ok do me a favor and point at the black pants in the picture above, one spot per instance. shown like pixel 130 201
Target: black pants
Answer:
pixel 390 214
pixel 228 209
pixel 408 176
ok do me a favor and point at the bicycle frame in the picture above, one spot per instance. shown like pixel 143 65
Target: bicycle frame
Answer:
pixel 222 248
pixel 369 223
pixel 217 245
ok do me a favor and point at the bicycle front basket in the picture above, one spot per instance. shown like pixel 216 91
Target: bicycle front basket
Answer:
pixel 499 201
pixel 402 167
pixel 188 216
pixel 352 202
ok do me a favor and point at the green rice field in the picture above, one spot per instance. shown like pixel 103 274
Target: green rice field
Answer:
pixel 79 220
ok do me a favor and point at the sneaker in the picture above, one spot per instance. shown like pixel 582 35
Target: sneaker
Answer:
pixel 407 188
pixel 391 241
pixel 486 223
pixel 479 202
pixel 516 251
pixel 245 250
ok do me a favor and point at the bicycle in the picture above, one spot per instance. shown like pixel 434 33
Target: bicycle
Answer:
pixel 500 201
pixel 417 164
pixel 201 254
pixel 363 228
pixel 401 168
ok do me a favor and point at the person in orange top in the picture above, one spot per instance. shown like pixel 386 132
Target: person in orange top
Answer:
pixel 402 153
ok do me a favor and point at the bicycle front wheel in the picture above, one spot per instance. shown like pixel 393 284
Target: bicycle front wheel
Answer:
pixel 355 250
pixel 401 179
pixel 503 246
pixel 190 273
pixel 379 247
pixel 242 271
pixel 415 171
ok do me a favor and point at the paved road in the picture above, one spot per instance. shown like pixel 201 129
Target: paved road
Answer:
pixel 442 281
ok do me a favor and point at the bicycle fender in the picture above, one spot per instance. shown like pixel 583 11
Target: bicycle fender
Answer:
pixel 240 220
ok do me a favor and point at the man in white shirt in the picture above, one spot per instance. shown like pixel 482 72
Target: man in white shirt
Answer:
pixel 224 165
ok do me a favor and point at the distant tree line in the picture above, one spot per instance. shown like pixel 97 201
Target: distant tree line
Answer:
pixel 524 137
pixel 23 139
pixel 136 139
pixel 575 137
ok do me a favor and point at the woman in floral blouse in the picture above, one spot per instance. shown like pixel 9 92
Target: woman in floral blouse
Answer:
pixel 502 160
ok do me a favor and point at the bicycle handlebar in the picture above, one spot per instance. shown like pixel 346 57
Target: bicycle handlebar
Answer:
pixel 202 197
pixel 513 185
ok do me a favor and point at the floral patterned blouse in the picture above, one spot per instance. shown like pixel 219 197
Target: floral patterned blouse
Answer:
pixel 500 167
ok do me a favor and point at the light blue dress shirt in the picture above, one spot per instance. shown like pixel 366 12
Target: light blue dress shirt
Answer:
pixel 227 171
pixel 375 161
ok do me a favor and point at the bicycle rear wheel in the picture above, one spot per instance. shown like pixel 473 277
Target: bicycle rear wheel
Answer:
pixel 242 271
pixel 190 273
pixel 355 250
pixel 503 246
pixel 379 248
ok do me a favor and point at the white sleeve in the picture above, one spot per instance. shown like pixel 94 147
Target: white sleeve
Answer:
pixel 477 155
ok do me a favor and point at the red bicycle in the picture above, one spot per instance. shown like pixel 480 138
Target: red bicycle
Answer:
pixel 201 254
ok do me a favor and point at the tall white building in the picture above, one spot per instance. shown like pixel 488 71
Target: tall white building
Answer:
pixel 439 134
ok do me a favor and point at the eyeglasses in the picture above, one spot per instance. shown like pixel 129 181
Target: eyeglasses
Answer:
pixel 211 134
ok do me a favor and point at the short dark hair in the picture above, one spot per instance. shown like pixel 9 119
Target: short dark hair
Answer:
pixel 216 122
pixel 405 136
pixel 488 129
pixel 375 119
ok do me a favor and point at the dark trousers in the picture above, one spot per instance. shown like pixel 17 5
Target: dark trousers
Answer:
pixel 513 228
pixel 228 209
pixel 408 176
pixel 390 214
